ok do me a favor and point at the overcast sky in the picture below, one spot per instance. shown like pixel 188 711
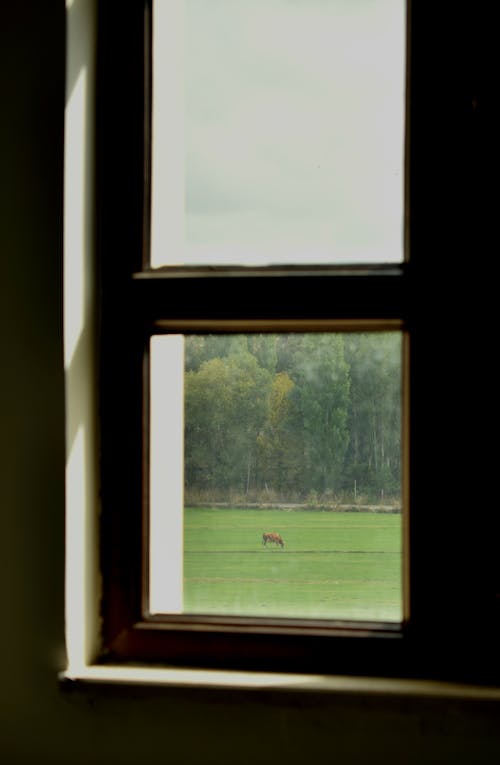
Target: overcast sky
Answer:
pixel 292 147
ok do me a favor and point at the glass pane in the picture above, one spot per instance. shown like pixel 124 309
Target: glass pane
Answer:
pixel 289 499
pixel 278 131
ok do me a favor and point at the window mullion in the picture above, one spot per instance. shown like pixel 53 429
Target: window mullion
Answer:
pixel 350 295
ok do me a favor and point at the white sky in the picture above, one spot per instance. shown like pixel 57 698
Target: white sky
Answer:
pixel 278 131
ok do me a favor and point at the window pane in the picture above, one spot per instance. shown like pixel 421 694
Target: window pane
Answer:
pixel 289 500
pixel 278 131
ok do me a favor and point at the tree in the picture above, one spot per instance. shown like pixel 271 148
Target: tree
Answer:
pixel 294 413
pixel 281 455
pixel 322 379
pixel 225 407
pixel 374 455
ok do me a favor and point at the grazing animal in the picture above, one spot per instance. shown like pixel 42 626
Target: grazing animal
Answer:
pixel 271 536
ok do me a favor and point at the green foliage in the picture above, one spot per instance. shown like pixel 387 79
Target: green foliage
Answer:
pixel 323 396
pixel 293 415
pixel 374 455
pixel 225 401
pixel 280 458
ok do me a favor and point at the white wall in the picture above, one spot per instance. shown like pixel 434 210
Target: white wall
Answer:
pixel 39 721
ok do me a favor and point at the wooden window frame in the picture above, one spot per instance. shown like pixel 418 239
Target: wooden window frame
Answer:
pixel 136 302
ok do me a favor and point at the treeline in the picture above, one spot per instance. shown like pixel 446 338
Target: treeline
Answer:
pixel 293 417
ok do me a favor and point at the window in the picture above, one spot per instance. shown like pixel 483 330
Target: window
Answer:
pixel 141 304
pixel 277 132
pixel 298 432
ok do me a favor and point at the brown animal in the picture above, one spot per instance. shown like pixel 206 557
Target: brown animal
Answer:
pixel 271 536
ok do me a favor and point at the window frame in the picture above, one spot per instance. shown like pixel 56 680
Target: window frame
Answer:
pixel 136 302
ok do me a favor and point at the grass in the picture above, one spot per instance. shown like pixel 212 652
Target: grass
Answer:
pixel 334 565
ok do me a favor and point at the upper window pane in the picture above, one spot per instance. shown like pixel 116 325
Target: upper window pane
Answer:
pixel 278 131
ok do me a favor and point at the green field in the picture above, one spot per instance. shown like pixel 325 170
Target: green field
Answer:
pixel 334 565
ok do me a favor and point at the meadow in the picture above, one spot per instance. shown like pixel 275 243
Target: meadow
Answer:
pixel 333 566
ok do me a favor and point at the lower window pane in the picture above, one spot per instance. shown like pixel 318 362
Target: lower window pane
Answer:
pixel 276 463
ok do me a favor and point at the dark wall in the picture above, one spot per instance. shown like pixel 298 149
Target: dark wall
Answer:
pixel 39 721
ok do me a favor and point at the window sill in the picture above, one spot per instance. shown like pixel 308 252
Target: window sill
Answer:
pixel 274 682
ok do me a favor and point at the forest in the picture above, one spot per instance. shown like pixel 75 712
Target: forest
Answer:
pixel 310 418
